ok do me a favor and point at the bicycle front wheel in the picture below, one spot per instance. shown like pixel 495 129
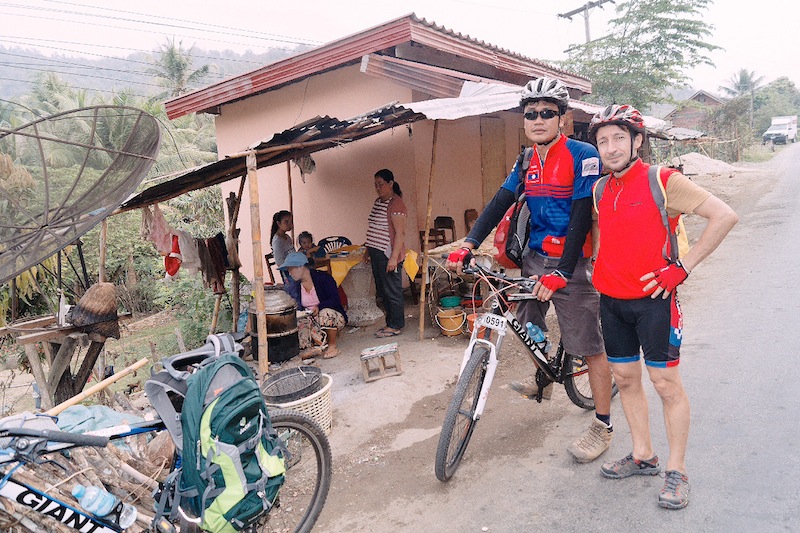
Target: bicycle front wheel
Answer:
pixel 458 422
pixel 576 382
pixel 308 474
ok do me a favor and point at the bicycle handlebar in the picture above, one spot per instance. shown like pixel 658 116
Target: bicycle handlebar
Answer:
pixel 525 283
pixel 56 436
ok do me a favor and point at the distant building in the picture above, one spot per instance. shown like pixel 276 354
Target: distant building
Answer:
pixel 691 112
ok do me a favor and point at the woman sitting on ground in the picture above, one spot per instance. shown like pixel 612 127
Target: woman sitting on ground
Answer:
pixel 315 291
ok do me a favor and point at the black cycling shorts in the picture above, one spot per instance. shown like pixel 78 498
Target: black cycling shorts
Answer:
pixel 649 326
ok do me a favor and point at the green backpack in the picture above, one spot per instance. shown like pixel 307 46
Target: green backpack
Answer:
pixel 233 462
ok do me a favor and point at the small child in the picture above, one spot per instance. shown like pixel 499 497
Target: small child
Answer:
pixel 306 242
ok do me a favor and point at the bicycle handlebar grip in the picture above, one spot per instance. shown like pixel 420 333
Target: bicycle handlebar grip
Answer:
pixel 58 436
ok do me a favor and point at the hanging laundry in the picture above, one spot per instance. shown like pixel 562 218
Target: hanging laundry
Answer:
pixel 219 257
pixel 188 245
pixel 147 223
pixel 161 232
pixel 172 262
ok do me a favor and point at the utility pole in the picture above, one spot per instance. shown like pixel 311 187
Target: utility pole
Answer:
pixel 584 10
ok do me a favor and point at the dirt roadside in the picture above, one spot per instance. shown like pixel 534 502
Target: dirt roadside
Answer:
pixel 385 432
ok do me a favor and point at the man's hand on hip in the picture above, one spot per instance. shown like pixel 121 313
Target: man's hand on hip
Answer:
pixel 665 280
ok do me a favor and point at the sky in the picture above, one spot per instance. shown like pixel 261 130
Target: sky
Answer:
pixel 763 40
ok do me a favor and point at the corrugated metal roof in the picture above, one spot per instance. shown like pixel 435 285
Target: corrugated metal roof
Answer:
pixel 311 136
pixel 394 33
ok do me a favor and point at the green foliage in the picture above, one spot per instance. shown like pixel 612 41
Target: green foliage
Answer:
pixel 731 122
pixel 173 69
pixel 131 262
pixel 650 47
pixel 778 98
pixel 194 306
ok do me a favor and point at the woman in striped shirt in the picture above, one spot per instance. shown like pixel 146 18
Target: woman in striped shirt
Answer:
pixel 386 233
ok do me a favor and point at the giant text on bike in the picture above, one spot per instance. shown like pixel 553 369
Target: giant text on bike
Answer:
pixel 44 504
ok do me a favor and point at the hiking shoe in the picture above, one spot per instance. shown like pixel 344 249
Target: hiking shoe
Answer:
pixel 675 494
pixel 530 389
pixel 595 440
pixel 628 466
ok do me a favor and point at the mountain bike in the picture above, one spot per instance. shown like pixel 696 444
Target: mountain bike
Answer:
pixel 31 440
pixel 480 362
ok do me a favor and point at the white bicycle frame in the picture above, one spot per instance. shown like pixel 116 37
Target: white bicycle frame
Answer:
pixel 498 323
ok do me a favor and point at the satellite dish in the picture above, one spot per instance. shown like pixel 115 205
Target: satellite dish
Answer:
pixel 60 176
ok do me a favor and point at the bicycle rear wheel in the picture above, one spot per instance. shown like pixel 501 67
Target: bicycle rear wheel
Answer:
pixel 576 382
pixel 458 422
pixel 308 474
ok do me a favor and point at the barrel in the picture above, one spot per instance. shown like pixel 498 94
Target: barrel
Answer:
pixel 280 311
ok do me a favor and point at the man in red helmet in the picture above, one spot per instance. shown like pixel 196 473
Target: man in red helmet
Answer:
pixel 557 184
pixel 637 273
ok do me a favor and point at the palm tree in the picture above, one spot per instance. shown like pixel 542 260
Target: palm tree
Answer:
pixel 743 83
pixel 173 69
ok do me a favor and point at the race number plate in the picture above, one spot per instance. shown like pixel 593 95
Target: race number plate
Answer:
pixel 495 322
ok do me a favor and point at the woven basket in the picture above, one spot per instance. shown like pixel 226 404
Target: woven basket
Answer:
pixel 318 406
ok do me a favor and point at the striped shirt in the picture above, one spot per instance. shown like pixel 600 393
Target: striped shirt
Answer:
pixel 378 227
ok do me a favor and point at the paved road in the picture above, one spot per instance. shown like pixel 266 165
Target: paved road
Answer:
pixel 740 367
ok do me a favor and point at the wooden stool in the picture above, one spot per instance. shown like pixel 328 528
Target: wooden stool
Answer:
pixel 384 369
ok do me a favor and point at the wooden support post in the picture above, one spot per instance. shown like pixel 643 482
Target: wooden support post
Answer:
pixel 234 203
pixel 425 229
pixel 291 198
pixel 38 374
pixel 258 266
pixel 215 316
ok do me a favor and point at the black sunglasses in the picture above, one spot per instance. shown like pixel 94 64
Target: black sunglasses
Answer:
pixel 546 114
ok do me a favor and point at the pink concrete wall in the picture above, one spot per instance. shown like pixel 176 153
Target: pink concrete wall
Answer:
pixel 337 197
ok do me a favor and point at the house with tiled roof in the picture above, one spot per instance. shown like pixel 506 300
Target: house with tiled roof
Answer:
pixel 405 60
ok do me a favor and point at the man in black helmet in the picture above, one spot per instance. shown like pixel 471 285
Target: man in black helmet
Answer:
pixel 558 186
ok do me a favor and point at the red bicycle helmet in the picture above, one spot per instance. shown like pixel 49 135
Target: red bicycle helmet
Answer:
pixel 621 115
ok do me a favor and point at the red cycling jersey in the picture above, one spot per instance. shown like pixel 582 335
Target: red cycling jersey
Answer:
pixel 632 235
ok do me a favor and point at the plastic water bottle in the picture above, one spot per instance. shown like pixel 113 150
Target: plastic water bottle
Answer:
pixel 535 333
pixel 102 503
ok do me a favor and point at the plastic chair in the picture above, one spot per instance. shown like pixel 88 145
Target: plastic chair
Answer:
pixel 329 244
pixel 444 223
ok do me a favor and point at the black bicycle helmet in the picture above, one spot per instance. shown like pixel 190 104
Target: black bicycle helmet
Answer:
pixel 549 89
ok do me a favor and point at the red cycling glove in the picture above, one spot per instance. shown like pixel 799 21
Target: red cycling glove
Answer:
pixel 462 255
pixel 672 275
pixel 554 281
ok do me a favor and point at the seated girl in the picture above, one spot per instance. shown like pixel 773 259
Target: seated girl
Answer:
pixel 316 292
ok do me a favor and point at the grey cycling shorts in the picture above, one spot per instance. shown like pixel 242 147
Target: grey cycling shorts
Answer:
pixel 578 312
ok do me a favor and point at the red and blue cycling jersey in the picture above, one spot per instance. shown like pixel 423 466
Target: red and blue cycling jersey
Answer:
pixel 568 173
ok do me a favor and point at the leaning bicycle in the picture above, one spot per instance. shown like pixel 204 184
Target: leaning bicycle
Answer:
pixel 480 363
pixel 32 440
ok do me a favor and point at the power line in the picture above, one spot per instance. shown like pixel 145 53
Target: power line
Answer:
pixel 122 19
pixel 584 10
pixel 34 82
pixel 9 38
pixel 28 67
pixel 85 66
pixel 264 35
